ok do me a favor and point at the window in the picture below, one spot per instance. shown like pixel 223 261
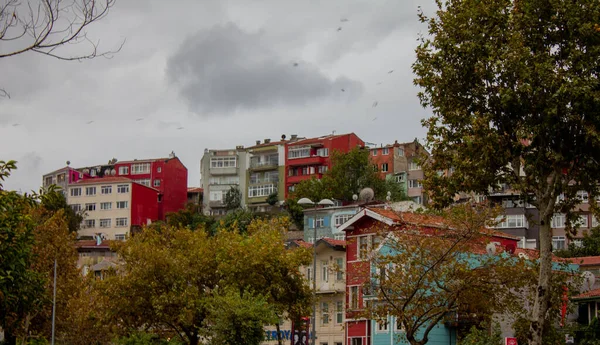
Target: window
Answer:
pixel 159 169
pixel 89 223
pixel 90 207
pixel 216 196
pixel 356 341
pixel 521 243
pixel 156 183
pixel 583 196
pixel 120 237
pixel 384 167
pixel 414 166
pixel 400 152
pixel 124 170
pixel 385 151
pixel 324 313
pixel 382 325
pixel 140 168
pixel 320 222
pixel 363 247
pixel 223 162
pixel 342 218
pixel 106 189
pixel 325 270
pixel 531 243
pixel 582 221
pixel 323 152
pixel 558 242
pixel 399 178
pixel 339 312
pixel 594 222
pixel 512 221
pixel 340 237
pixel 76 207
pixel 60 178
pixel 339 269
pixel 354 297
pixel 90 190
pixel 225 180
pixel 578 243
pixel 106 205
pixel 48 180
pixel 122 204
pixel 144 181
pixel 415 184
pixel 298 152
pixel 323 169
pixel 123 188
pixel 262 190
pixel 120 222
pixel 399 325
pixel 374 152
pixel 105 223
pixel 558 220
pixel 417 199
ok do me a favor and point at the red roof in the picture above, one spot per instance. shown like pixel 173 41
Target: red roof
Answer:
pixel 317 139
pixel 271 143
pixel 590 294
pixel 427 220
pixel 195 190
pixel 585 260
pixel 302 243
pixel 144 160
pixel 101 180
pixel 334 242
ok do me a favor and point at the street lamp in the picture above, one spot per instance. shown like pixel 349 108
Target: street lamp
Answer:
pixel 308 202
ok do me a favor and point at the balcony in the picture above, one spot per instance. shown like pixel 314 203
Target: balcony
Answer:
pixel 264 165
pixel 312 160
pixel 300 178
pixel 331 287
pixel 223 171
pixel 216 204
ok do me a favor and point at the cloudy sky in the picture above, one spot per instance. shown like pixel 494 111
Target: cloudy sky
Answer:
pixel 213 74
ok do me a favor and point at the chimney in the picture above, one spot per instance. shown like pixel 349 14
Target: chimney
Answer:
pixel 267 141
pixel 294 137
pixel 258 142
pixel 239 147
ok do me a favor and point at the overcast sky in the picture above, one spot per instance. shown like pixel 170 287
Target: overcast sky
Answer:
pixel 221 69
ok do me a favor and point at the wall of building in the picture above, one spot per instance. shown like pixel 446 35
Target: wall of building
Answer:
pixel 329 227
pixel 144 205
pixel 174 176
pixel 208 173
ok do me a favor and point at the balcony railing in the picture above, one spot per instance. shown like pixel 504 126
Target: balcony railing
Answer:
pixel 261 164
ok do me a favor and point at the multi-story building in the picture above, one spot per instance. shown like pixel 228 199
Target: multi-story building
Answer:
pixel 399 162
pixel 113 207
pixel 327 220
pixel 308 158
pixel 167 175
pixel 221 170
pixel 361 237
pixel 265 174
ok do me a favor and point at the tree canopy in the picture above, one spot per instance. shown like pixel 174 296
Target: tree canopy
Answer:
pixel 515 95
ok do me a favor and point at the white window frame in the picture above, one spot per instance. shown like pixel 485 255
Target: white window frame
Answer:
pixel 140 168
pixel 583 196
pixel 384 167
pixel 415 183
pixel 511 221
pixel 323 152
pixel 158 169
pixel 121 203
pixel 105 222
pixel 295 152
pixel 399 326
pixel 144 182
pixel 106 189
pixel 559 239
pixel 121 222
pixel 413 166
pixel 75 192
pixel 385 151
pixel 223 162
pixel 104 204
pixel 399 178
pixel 594 221
pixel 340 219
pixel 340 237
pixel 261 190
pixel 122 188
pixel 120 237
pixel 156 183
pixel 382 326
pixel 324 313
pixel 583 221
pixel 374 152
pixel 354 297
pixel 124 170
pixel 92 206
pixel 559 220
pixel 325 270
pixel 339 312
pixel 89 223
pixel 339 273
pixel 216 195
pixel 319 221
pixel 90 191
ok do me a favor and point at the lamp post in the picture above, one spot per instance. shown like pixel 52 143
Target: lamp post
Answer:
pixel 308 202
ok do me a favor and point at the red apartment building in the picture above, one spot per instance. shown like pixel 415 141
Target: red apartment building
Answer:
pixel 309 158
pixel 361 236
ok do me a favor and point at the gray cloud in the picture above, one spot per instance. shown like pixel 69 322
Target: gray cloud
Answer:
pixel 225 69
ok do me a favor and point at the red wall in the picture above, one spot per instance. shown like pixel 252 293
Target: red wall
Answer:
pixel 173 186
pixel 144 204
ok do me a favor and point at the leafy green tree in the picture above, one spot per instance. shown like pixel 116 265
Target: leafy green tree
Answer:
pixel 477 336
pixel 233 198
pixel 273 198
pixel 190 218
pixel 295 211
pixel 238 318
pixel 590 246
pixel 20 286
pixel 514 91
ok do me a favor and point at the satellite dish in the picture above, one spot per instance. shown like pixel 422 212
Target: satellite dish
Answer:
pixel 106 172
pixel 490 248
pixel 366 194
pixel 113 172
pixel 589 279
pixel 523 256
pixel 68 162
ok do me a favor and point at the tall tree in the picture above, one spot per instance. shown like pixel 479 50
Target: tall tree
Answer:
pixel 514 89
pixel 233 198
pixel 20 286
pixel 53 200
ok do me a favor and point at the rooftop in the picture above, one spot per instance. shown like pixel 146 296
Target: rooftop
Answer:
pixel 588 295
pixel 585 260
